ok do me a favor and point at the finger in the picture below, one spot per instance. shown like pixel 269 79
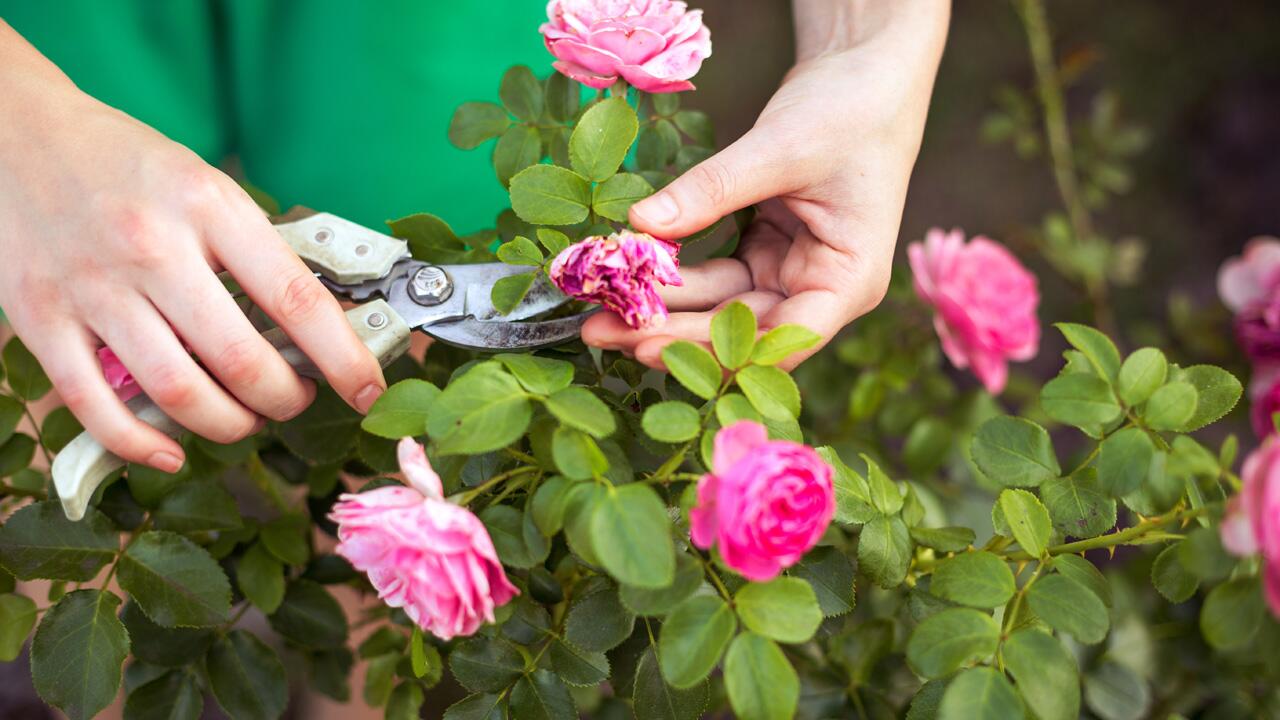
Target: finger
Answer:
pixel 69 357
pixel 213 325
pixel 707 285
pixel 277 280
pixel 608 331
pixel 146 345
pixel 822 311
pixel 748 171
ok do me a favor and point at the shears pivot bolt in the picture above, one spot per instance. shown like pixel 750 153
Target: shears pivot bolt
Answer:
pixel 430 285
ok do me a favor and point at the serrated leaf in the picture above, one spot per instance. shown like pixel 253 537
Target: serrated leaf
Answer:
pixel 518 148
pixel 78 651
pixel 1078 506
pixel 197 506
pixel 26 378
pixel 694 367
pixel 580 408
pixel 521 93
pixel 830 573
pixel 760 681
pixel 601 139
pixel 1141 374
pixel 770 390
pixel 614 197
pixel 631 535
pixel 782 342
pixel 508 291
pixel 484 409
pixel 1028 520
pixel 654 699
pixel 260 577
pixel 17 617
pixel 946 539
pixel 884 551
pixel 550 195
pixel 733 335
pixel 1096 347
pixel 38 541
pixel 309 616
pixel 483 664
pixel 660 601
pixel 1232 613
pixel 979 579
pixel 671 421
pixel 693 638
pixel 475 122
pixel 784 609
pixel 173 696
pixel 1171 578
pixel 578 667
pixel 175 581
pixel 980 693
pixel 1045 673
pixel 1080 400
pixel 598 621
pixel 1217 393
pixel 520 251
pixel 1124 460
pixel 945 641
pixel 1014 452
pixel 541 695
pixel 1170 407
pixel 401 411
pixel 1068 606
pixel 247 677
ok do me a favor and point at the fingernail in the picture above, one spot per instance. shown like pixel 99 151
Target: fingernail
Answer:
pixel 660 209
pixel 165 462
pixel 366 397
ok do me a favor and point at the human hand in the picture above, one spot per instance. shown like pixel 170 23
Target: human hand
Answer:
pixel 829 159
pixel 113 234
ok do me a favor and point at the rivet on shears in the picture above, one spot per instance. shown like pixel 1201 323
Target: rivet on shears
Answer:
pixel 362 250
pixel 430 285
pixel 323 236
pixel 375 320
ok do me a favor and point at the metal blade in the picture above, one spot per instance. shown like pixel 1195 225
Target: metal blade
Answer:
pixel 500 335
pixel 470 297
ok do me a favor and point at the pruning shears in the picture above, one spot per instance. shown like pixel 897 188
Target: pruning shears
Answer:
pixel 395 294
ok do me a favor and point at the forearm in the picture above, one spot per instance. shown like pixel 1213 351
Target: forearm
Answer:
pixel 23 68
pixel 830 26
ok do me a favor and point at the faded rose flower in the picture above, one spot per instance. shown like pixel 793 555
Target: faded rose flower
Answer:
pixel 655 45
pixel 1264 398
pixel 622 273
pixel 1252 522
pixel 984 299
pixel 764 504
pixel 117 375
pixel 1252 277
pixel 421 552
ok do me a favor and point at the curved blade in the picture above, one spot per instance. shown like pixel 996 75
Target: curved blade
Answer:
pixel 478 281
pixel 502 335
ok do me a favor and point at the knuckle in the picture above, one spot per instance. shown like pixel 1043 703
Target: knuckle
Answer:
pixel 74 393
pixel 713 180
pixel 227 433
pixel 239 362
pixel 290 408
pixel 137 237
pixel 199 187
pixel 298 298
pixel 171 387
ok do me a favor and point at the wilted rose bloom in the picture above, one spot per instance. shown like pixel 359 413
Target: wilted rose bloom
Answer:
pixel 765 502
pixel 656 45
pixel 421 552
pixel 1252 522
pixel 621 272
pixel 984 299
pixel 117 375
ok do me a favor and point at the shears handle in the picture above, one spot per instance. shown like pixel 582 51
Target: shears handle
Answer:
pixel 84 463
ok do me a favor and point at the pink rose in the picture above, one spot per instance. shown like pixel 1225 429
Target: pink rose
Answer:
pixel 985 302
pixel 621 272
pixel 1252 521
pixel 422 553
pixel 1264 397
pixel 117 375
pixel 1252 277
pixel 765 503
pixel 656 45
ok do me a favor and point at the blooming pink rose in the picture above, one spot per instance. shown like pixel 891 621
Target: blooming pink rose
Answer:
pixel 765 503
pixel 423 553
pixel 1252 522
pixel 117 375
pixel 656 45
pixel 985 302
pixel 621 272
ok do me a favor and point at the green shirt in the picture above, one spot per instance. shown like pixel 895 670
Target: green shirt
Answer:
pixel 339 105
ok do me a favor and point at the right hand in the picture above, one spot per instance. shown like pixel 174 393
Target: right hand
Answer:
pixel 112 234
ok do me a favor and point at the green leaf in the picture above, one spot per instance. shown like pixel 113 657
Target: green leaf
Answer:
pixel 770 390
pixel 1170 407
pixel 538 374
pixel 1045 673
pixel 614 197
pixel 1142 372
pixel 979 579
pixel 1079 400
pixel 660 601
pixel 884 551
pixel 163 647
pixel 520 251
pixel 310 616
pixel 148 485
pixel 733 335
pixel 946 539
pixel 549 503
pixel 657 146
pixel 478 707
pixel 1068 606
pixel 578 667
pixel 1113 691
pixel 475 122
pixel 1098 348
pixel 518 148
pixel 485 409
pixel 577 455
pixel 602 138
pixel 77 652
pixel 553 240
pixel 1028 520
pixel 1014 452
pixel 1201 553
pixel 692 639
pixel 246 677
pixel 173 696
pixel 853 497
pixel 11 412
pixel 260 577
pixel 430 238
pixel 980 693
pixel 175 581
pixel 509 290
pixel 784 609
pixel 1086 573
pixel 1217 393
pixel 578 407
pixel 925 703
pixel 945 641
pixel 697 126
pixel 782 342
pixel 17 617
pixel 16 454
pixel 885 495
pixel 598 621
pixel 550 195
pixel 406 702
pixel 521 93
pixel 694 367
pixel 26 378
pixel 631 535
pixel 1124 461
pixel 760 681
pixel 38 541
pixel 197 506
pixel 482 664
pixel 401 411
pixel 1171 578
pixel 654 699
pixel 830 573
pixel 506 527
pixel 325 432
pixel 1231 615
pixel 671 421
pixel 1078 505
pixel 379 679
pixel 541 695
pixel 286 538
pixel 59 428
pixel 562 96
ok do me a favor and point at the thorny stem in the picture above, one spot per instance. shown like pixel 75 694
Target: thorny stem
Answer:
pixel 475 492
pixel 715 577
pixel 1120 537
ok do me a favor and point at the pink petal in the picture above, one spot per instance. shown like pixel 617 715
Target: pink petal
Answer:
pixel 417 470
pixel 734 442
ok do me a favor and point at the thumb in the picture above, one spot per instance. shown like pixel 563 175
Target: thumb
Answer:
pixel 747 172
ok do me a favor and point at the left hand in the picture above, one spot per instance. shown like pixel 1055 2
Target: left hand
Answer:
pixel 829 159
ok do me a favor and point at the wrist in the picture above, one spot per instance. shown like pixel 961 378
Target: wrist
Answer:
pixel 825 27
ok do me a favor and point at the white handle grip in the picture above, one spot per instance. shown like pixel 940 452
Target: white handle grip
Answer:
pixel 340 250
pixel 84 463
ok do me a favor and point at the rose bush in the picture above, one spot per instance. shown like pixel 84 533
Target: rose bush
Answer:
pixel 876 536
